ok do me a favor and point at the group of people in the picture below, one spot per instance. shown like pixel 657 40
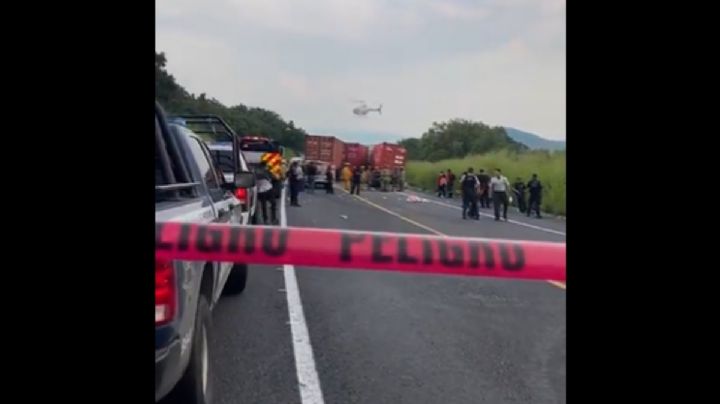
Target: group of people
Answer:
pixel 475 188
pixel 361 177
pixel 296 177
pixel 483 188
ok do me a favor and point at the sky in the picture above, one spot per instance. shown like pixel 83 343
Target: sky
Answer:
pixel 501 62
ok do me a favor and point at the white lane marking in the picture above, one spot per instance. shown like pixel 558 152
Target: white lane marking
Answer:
pixel 399 216
pixel 308 381
pixel 532 226
pixel 430 229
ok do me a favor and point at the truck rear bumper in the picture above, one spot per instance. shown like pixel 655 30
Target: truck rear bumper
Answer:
pixel 168 370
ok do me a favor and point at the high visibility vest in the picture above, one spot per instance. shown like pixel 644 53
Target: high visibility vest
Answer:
pixel 273 161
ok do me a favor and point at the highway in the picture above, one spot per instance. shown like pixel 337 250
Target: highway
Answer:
pixel 379 337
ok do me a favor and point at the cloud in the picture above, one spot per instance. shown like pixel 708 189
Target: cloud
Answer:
pixel 499 61
pixel 507 86
pixel 459 11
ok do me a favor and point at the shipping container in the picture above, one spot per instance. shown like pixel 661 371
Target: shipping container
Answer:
pixel 356 154
pixel 387 155
pixel 324 148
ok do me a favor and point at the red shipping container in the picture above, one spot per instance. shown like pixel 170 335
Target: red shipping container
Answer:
pixel 388 155
pixel 328 149
pixel 356 154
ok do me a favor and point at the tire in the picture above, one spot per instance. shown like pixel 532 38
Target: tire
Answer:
pixel 236 281
pixel 196 387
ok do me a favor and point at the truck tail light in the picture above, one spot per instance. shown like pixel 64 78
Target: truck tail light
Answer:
pixel 242 195
pixel 165 296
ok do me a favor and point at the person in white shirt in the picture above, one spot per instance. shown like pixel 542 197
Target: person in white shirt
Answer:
pixel 266 194
pixel 499 186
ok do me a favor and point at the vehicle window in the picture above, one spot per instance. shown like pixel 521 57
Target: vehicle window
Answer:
pixel 224 159
pixel 159 172
pixel 167 171
pixel 205 163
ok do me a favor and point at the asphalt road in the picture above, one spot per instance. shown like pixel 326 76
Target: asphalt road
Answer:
pixel 380 337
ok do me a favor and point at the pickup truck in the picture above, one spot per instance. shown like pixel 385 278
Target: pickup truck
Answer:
pixel 190 188
pixel 222 140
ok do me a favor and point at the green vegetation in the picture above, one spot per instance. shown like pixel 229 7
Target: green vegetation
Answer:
pixel 244 120
pixel 459 138
pixel 549 166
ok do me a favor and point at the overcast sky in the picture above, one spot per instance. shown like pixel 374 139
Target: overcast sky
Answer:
pixel 498 61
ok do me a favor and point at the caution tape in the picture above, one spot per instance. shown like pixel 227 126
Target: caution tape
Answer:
pixel 345 249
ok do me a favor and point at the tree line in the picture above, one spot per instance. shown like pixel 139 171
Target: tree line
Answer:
pixel 243 119
pixel 458 138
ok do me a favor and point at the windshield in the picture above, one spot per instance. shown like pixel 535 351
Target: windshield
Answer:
pixel 248 145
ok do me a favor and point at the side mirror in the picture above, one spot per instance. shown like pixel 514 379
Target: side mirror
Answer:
pixel 244 179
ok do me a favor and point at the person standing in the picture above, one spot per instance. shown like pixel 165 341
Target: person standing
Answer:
pixel 346 176
pixel 450 183
pixel 356 178
pixel 519 188
pixel 402 179
pixel 441 184
pixel 484 191
pixel 266 194
pixel 364 178
pixel 329 181
pixel 535 189
pixel 295 179
pixel 499 186
pixel 311 173
pixel 468 189
pixel 385 180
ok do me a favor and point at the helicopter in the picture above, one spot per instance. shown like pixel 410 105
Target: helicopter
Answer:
pixel 363 109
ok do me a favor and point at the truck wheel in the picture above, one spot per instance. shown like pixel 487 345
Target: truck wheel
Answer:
pixel 237 280
pixel 196 385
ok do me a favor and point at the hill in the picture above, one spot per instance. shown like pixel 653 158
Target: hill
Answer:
pixel 243 119
pixel 534 141
pixel 459 138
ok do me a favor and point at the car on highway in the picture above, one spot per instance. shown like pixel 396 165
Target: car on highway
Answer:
pixel 190 188
pixel 321 170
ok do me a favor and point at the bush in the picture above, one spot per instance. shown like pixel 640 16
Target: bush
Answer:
pixel 549 166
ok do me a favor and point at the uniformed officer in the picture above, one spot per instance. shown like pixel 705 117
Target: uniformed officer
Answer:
pixel 535 190
pixel 468 186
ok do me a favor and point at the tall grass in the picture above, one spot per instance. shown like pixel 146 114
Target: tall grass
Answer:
pixel 549 166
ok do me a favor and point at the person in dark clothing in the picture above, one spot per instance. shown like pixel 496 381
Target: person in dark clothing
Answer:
pixel 376 178
pixel 329 181
pixel 535 190
pixel 484 194
pixel 519 188
pixel 311 172
pixel 355 181
pixel 266 194
pixel 450 183
pixel 468 186
pixel 294 176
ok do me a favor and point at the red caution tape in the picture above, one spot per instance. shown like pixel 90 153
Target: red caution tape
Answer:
pixel 343 249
